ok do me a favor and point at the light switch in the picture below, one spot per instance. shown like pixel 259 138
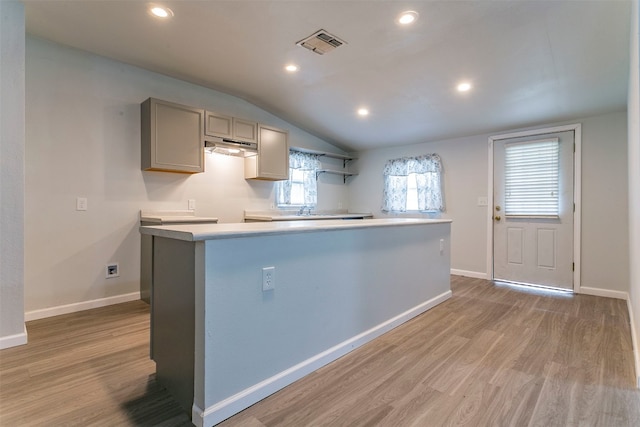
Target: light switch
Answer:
pixel 482 201
pixel 192 204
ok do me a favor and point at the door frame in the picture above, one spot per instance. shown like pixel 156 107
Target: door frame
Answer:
pixel 577 193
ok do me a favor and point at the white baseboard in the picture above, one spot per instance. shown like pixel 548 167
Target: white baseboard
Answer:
pixel 634 341
pixel 603 293
pixel 472 274
pixel 14 340
pixel 242 400
pixel 79 306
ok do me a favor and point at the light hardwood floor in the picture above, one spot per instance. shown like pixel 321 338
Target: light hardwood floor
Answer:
pixel 490 356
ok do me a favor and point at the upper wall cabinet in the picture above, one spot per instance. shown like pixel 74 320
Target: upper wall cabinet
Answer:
pixel 218 125
pixel 245 130
pixel 230 127
pixel 172 137
pixel 272 161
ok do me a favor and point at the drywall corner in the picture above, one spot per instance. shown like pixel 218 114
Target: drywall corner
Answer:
pixel 12 144
pixel 633 123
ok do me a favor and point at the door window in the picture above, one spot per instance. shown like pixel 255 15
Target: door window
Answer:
pixel 532 171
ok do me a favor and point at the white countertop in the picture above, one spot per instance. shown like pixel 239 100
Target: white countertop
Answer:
pixel 196 232
pixel 173 217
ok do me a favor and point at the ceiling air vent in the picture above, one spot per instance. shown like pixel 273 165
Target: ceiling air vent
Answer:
pixel 321 42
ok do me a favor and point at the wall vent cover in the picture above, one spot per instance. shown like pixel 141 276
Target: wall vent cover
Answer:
pixel 321 42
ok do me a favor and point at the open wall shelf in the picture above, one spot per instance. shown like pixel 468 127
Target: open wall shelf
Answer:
pixel 344 173
pixel 345 160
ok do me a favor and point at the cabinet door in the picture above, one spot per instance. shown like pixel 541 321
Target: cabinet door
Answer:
pixel 218 125
pixel 172 137
pixel 244 130
pixel 272 161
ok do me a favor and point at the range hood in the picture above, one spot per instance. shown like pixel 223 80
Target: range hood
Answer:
pixel 230 147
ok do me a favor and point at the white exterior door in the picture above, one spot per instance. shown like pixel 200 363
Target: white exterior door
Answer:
pixel 533 211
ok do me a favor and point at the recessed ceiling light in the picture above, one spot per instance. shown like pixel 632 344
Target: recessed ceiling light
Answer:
pixel 160 11
pixel 292 68
pixel 363 112
pixel 464 86
pixel 407 17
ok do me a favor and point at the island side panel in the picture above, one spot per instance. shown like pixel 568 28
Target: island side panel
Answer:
pixel 330 286
pixel 173 329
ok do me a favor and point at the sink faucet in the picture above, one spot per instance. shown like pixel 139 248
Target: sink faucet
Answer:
pixel 302 209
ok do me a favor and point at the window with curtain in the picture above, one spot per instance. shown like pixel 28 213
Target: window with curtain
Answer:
pixel 301 189
pixel 532 178
pixel 413 184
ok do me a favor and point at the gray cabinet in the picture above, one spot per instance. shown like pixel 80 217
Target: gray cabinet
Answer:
pixel 224 126
pixel 173 140
pixel 272 161
pixel 245 130
pixel 218 125
pixel 172 137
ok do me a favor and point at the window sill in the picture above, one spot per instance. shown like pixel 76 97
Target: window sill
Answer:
pixel 430 214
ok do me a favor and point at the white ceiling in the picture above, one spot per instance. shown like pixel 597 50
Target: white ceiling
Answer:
pixel 530 62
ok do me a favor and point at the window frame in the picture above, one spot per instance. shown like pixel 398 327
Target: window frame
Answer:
pixel 295 183
pixel 303 164
pixel 412 193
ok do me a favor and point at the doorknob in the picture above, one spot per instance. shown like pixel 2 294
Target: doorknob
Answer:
pixel 497 218
pixel 498 208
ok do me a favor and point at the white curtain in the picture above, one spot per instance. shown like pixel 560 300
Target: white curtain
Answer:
pixel 308 164
pixel 428 170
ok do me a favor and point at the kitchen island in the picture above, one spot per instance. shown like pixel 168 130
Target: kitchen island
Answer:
pixel 226 334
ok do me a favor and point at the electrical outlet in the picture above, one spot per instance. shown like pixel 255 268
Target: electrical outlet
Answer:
pixel 82 204
pixel 191 203
pixel 268 279
pixel 112 270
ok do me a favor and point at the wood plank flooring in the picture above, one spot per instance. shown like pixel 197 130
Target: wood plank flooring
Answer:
pixel 492 355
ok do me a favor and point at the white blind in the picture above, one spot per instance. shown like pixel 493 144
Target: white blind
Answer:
pixel 532 178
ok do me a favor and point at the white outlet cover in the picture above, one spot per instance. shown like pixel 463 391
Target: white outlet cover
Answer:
pixel 82 204
pixel 268 279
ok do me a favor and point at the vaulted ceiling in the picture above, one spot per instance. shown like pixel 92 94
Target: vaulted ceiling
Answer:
pixel 529 62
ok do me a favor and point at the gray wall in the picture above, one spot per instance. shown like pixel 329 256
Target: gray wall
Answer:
pixel 465 178
pixel 83 139
pixel 12 119
pixel 605 206
pixel 605 259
